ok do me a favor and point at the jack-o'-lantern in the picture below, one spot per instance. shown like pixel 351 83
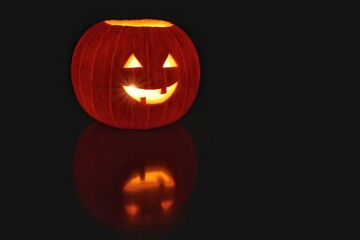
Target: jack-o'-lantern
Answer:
pixel 135 74
pixel 134 179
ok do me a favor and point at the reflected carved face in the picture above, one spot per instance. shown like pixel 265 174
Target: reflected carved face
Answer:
pixel 149 194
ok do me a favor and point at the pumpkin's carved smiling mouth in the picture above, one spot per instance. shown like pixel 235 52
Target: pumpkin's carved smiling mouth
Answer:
pixel 150 96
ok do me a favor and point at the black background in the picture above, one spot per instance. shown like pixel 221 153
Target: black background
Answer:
pixel 247 122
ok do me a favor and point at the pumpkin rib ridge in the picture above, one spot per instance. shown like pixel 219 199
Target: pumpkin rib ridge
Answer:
pixel 115 122
pixel 92 71
pixel 87 42
pixel 181 110
pixel 147 34
pixel 166 104
pixel 190 44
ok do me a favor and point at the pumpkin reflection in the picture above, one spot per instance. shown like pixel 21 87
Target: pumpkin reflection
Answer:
pixel 134 178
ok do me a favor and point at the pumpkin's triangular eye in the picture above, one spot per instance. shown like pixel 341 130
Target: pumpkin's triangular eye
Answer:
pixel 169 62
pixel 132 62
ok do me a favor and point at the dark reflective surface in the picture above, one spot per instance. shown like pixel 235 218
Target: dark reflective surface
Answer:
pixel 136 181
pixel 248 124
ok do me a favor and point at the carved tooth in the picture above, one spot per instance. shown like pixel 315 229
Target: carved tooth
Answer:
pixel 163 90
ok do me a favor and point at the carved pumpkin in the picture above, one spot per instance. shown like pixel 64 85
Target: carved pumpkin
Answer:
pixel 134 179
pixel 135 74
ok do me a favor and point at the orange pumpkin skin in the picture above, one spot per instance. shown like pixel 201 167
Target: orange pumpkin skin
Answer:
pixel 105 158
pixel 99 76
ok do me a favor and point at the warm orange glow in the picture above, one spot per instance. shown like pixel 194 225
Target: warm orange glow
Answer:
pixel 140 23
pixel 151 179
pixel 132 62
pixel 167 204
pixel 169 62
pixel 131 209
pixel 150 96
